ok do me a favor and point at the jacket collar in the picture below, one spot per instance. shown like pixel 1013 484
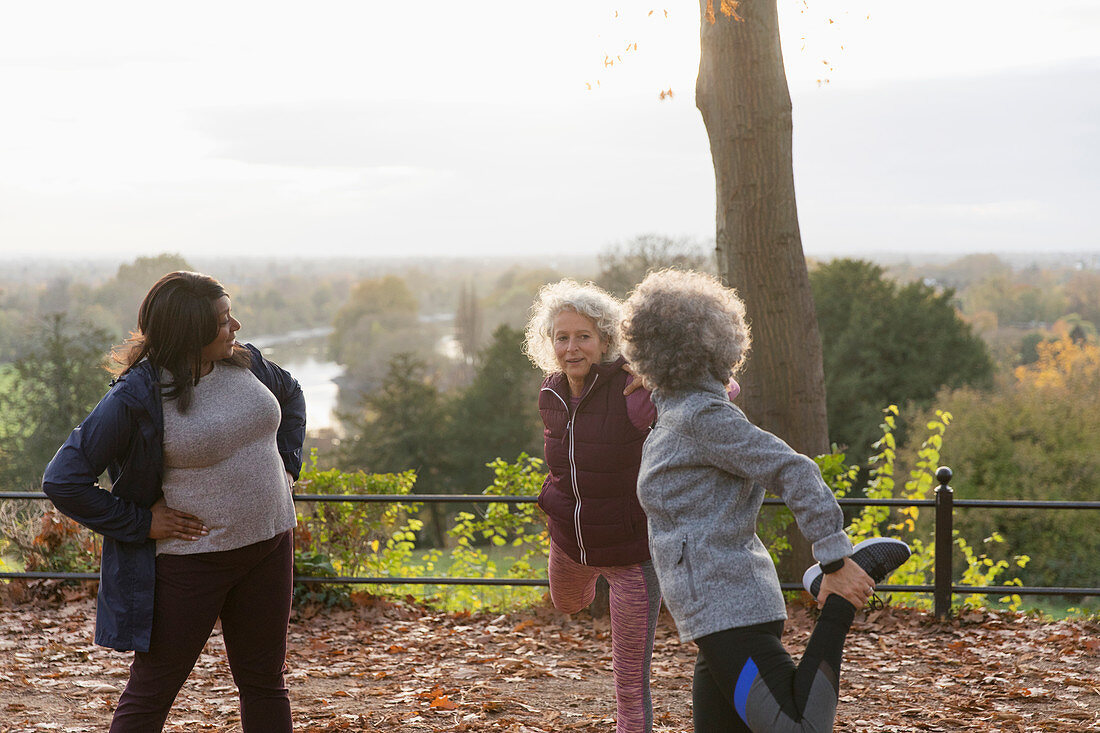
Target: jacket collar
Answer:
pixel 705 386
pixel 599 374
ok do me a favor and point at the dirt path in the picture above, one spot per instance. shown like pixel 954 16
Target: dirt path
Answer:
pixel 393 668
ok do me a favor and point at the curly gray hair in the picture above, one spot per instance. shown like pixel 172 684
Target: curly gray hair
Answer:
pixel 589 301
pixel 680 328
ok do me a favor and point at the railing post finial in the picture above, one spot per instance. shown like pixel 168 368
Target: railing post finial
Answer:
pixel 944 475
pixel 945 502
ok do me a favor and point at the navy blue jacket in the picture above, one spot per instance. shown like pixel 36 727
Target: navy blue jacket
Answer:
pixel 124 435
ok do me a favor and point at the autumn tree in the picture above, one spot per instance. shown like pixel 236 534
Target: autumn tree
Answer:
pixel 379 320
pixel 742 93
pixel 1018 301
pixel 509 299
pixel 622 266
pixel 1083 295
pixel 497 415
pixel 121 296
pixel 886 343
pixel 468 323
pixel 398 427
pixel 47 393
pixel 1037 436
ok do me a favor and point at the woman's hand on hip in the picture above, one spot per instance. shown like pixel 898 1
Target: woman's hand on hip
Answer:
pixel 172 524
pixel 850 582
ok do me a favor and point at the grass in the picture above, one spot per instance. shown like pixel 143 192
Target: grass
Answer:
pixel 455 598
pixel 471 597
pixel 1060 607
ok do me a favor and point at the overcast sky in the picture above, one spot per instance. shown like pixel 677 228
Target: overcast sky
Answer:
pixel 367 128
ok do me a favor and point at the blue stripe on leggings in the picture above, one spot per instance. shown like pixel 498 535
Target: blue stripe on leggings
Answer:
pixel 744 684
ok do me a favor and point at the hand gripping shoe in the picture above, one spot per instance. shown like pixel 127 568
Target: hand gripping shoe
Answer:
pixel 878 556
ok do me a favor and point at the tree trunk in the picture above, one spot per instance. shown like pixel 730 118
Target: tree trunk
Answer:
pixel 742 94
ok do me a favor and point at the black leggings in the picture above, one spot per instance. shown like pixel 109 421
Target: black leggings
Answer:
pixel 746 681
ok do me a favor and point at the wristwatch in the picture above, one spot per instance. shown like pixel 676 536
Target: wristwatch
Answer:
pixel 832 567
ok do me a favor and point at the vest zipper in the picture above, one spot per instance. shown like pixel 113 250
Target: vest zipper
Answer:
pixel 573 469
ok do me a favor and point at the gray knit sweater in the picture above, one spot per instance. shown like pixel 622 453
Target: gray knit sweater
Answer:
pixel 704 471
pixel 221 463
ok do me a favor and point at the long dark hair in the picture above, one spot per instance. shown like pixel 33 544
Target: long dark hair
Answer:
pixel 175 321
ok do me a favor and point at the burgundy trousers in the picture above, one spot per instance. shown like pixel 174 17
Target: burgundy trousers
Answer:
pixel 249 588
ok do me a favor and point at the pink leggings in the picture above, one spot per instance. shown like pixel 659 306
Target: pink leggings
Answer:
pixel 635 601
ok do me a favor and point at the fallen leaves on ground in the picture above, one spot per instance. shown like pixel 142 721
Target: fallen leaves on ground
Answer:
pixel 396 667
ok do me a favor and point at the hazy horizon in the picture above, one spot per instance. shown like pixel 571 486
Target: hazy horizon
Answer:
pixel 97 268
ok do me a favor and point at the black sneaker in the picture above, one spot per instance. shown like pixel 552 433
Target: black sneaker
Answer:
pixel 878 556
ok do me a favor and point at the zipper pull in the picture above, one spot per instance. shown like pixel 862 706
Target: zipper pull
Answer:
pixel 683 550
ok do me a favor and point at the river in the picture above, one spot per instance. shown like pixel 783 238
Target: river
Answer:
pixel 302 353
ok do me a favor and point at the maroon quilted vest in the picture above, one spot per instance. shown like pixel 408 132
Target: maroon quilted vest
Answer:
pixel 590 494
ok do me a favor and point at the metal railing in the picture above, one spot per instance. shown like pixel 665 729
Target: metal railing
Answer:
pixel 942 588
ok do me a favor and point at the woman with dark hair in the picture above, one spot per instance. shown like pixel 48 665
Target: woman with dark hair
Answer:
pixel 704 471
pixel 202 439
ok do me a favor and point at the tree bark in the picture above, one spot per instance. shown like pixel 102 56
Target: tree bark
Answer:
pixel 742 94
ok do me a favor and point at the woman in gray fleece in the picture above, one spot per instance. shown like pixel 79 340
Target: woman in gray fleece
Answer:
pixel 703 475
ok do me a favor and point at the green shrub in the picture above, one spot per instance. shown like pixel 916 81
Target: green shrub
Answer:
pixel 353 538
pixel 906 523
pixel 518 531
pixel 369 539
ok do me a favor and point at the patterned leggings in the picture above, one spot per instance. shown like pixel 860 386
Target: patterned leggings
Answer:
pixel 635 601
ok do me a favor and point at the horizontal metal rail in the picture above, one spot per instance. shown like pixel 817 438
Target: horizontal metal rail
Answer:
pixel 445 580
pixel 944 504
pixel 492 499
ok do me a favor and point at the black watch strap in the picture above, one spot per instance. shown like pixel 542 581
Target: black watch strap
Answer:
pixel 832 567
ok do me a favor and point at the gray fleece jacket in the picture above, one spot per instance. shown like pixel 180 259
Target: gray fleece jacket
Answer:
pixel 704 471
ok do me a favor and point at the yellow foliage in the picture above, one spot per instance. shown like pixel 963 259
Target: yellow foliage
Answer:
pixel 1060 364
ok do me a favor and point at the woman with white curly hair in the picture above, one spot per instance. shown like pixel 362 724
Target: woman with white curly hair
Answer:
pixel 702 479
pixel 593 442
